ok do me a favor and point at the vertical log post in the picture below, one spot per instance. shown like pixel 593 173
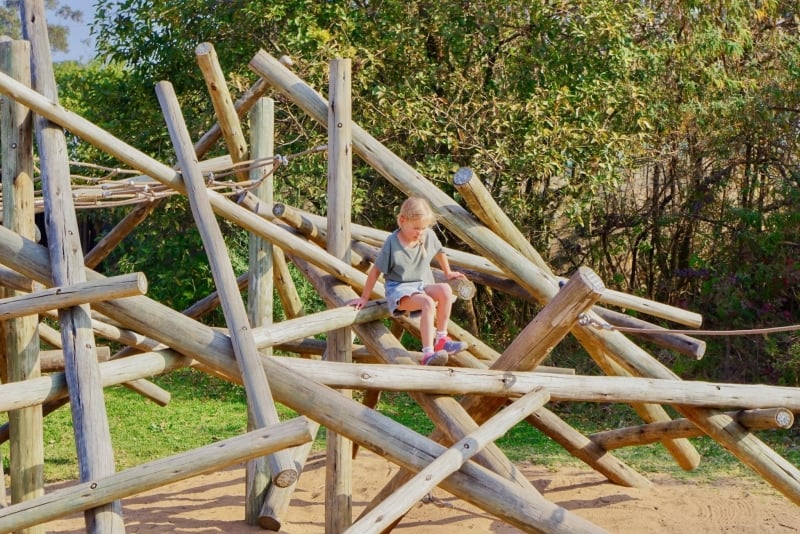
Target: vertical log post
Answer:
pixel 339 465
pixel 90 423
pixel 260 285
pixel 259 397
pixel 21 337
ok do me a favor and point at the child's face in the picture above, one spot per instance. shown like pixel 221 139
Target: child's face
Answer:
pixel 412 229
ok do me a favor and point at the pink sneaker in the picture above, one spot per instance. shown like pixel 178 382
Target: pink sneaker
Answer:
pixel 434 358
pixel 448 345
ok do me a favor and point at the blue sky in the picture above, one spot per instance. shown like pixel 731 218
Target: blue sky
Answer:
pixel 80 46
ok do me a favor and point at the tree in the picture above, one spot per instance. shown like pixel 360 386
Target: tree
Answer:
pixel 11 26
pixel 653 141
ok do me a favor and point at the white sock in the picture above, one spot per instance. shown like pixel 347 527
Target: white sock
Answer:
pixel 427 350
pixel 440 334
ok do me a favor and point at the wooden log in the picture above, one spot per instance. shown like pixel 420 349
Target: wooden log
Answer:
pixel 370 429
pixel 394 507
pixel 585 450
pixel 287 291
pixel 13 280
pixel 761 419
pixel 259 397
pixel 318 323
pixel 53 360
pixel 20 345
pixel 339 468
pixel 155 474
pixel 540 283
pixel 680 343
pixel 50 335
pixel 562 387
pixel 53 387
pixel 113 238
pixel 260 287
pixel 224 110
pixel 121 286
pixel 90 424
pixel 296 220
pixel 482 204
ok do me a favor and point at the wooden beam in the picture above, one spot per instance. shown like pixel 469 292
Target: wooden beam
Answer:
pixel 761 419
pixel 260 288
pixel 53 360
pixel 115 287
pixel 90 424
pixel 224 110
pixel 339 467
pixel 20 344
pixel 259 396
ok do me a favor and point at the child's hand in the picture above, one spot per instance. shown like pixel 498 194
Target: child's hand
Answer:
pixel 358 303
pixel 452 275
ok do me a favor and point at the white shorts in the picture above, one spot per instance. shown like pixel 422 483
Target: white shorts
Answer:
pixel 396 291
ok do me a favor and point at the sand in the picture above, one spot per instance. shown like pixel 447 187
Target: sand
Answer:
pixel 215 503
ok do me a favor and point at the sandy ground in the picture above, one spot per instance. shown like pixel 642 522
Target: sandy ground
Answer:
pixel 215 503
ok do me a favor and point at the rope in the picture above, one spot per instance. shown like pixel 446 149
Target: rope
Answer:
pixel 103 191
pixel 585 320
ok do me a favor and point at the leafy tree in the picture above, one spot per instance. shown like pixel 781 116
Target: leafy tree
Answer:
pixel 652 141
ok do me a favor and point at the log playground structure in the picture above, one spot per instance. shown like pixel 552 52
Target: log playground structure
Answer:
pixel 472 401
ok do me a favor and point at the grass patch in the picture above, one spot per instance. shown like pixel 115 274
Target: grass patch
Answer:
pixel 205 409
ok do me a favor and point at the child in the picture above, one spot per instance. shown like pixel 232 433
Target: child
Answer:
pixel 404 260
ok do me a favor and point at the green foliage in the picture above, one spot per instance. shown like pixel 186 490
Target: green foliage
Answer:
pixel 654 142
pixel 11 25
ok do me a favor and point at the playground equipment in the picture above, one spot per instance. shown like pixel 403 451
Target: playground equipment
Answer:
pixel 496 389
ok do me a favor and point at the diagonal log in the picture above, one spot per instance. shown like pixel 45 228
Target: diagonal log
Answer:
pixel 224 109
pixel 452 459
pixel 259 397
pixel 155 474
pixel 481 203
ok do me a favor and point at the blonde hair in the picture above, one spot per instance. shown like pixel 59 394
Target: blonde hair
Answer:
pixel 416 208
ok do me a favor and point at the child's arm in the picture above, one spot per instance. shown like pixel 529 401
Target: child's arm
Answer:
pixel 369 285
pixel 441 257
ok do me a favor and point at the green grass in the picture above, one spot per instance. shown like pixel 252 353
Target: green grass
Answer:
pixel 204 410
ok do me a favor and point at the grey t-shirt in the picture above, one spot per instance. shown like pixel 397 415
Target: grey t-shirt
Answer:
pixel 412 264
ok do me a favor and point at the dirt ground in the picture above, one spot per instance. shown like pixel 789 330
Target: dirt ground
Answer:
pixel 215 503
